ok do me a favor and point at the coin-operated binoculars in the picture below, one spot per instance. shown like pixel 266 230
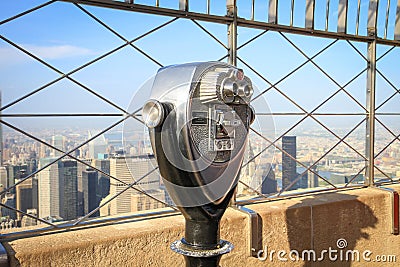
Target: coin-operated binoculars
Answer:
pixel 198 117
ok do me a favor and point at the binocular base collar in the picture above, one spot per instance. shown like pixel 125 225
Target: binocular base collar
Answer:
pixel 183 248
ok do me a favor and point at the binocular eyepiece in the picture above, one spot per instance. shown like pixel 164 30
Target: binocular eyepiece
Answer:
pixel 198 117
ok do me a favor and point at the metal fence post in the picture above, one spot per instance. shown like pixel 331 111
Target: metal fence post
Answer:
pixel 370 135
pixel 231 11
pixel 232 31
pixel 184 5
pixel 371 84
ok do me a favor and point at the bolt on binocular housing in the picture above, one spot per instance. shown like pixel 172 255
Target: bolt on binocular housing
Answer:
pixel 198 117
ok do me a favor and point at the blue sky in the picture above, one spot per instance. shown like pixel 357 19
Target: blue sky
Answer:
pixel 65 37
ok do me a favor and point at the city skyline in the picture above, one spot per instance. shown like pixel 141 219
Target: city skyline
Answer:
pixel 340 166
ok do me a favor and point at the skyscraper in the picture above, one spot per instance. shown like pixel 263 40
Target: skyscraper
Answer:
pixel 9 200
pixel 90 187
pixel 141 202
pixel 15 172
pixel 248 174
pixel 69 189
pixel 24 197
pixel 3 177
pixel 97 146
pixel 82 186
pixel 43 151
pixel 289 173
pixel 269 184
pixel 313 177
pixel 49 189
pixel 58 189
pixel 303 180
pixel 129 169
pixel 35 193
pixel 57 141
pixel 104 180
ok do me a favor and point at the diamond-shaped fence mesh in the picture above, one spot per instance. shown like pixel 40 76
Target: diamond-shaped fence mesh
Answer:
pixel 387 119
pixel 75 150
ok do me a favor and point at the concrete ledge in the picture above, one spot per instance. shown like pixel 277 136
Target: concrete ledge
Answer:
pixel 361 217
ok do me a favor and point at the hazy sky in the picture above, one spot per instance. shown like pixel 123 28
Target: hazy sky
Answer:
pixel 66 37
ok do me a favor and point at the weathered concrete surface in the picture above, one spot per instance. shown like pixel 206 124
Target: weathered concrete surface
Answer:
pixel 361 217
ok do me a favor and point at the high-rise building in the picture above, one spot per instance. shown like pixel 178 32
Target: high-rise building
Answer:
pixel 24 197
pixel 58 141
pixel 104 180
pixel 269 183
pixel 16 172
pixel 307 179
pixel 81 186
pixel 129 170
pixel 97 146
pixel 141 202
pixel 289 173
pixel 91 200
pixel 68 189
pixel 29 221
pixel 248 174
pixel 3 177
pixel 58 189
pixel 43 151
pixel 9 200
pixel 35 193
pixel 31 163
pixel 49 189
pixel 303 180
pixel 313 177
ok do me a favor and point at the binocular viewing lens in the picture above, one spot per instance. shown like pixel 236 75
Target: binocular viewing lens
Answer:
pixel 153 113
pixel 229 91
pixel 248 91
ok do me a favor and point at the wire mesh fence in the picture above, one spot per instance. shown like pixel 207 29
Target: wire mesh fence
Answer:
pixel 74 147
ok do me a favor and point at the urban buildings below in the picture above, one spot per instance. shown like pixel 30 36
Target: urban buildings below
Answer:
pixel 58 189
pixel 9 200
pixel 289 173
pixel 27 221
pixel 104 181
pixel 269 183
pixel 69 189
pixel 141 202
pixel 57 141
pixel 24 197
pixel 90 188
pixel 96 146
pixel 3 177
pixel 130 170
